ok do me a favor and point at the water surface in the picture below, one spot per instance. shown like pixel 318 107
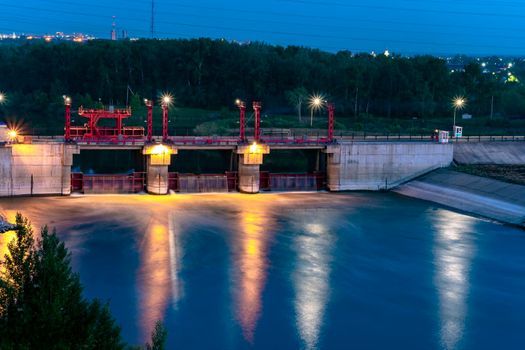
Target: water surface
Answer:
pixel 294 271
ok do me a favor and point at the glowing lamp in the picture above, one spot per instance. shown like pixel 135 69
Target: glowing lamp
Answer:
pixel 12 134
pixel 253 148
pixel 160 150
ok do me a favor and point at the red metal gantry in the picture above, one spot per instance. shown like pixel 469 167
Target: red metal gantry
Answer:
pixel 92 131
pixel 257 111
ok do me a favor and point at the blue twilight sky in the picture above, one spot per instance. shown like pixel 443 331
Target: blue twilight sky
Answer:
pixel 477 27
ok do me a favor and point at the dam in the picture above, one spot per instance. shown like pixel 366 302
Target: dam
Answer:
pixel 43 165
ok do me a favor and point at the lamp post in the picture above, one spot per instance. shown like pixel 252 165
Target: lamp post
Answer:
pixel 149 105
pixel 458 103
pixel 257 118
pixel 166 101
pixel 331 110
pixel 315 104
pixel 242 119
pixel 67 130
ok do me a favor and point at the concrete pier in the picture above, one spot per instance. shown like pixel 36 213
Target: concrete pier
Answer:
pixel 36 169
pixel 158 160
pixel 250 160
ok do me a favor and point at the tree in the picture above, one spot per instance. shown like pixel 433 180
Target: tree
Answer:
pixel 41 298
pixel 158 337
pixel 296 98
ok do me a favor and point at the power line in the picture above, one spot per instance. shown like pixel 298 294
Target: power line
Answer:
pixel 407 9
pixel 280 32
pixel 285 14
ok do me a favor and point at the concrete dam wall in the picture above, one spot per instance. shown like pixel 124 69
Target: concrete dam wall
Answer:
pixel 36 169
pixel 45 168
pixel 382 165
pixel 502 153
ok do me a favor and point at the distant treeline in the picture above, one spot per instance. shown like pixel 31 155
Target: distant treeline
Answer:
pixel 210 74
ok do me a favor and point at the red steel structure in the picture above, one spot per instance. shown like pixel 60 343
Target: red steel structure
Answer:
pixel 165 122
pixel 242 120
pixel 257 110
pixel 149 105
pixel 92 131
pixel 67 134
pixel 331 110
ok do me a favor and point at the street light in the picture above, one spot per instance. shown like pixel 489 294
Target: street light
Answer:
pixel 2 97
pixel 165 100
pixel 458 102
pixel 316 102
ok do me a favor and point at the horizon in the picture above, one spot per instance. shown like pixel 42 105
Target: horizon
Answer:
pixel 478 29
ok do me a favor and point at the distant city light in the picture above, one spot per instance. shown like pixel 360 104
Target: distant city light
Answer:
pixel 386 53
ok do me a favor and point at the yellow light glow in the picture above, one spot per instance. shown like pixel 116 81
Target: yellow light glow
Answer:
pixel 237 102
pixel 459 102
pixel 160 150
pixel 166 99
pixel 253 147
pixel 12 134
pixel 2 97
pixel 316 102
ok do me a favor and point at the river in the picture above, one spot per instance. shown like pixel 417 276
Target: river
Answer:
pixel 293 271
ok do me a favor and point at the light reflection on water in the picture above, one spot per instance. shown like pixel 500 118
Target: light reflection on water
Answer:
pixel 311 275
pixel 255 225
pixel 453 251
pixel 284 264
pixel 154 274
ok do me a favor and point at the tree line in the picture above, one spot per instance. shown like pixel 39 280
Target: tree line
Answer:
pixel 211 74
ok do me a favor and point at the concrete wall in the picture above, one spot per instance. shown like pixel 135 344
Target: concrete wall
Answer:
pixel 36 169
pixel 508 153
pixel 382 165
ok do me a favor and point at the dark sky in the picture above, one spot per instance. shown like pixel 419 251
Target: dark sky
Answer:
pixel 476 27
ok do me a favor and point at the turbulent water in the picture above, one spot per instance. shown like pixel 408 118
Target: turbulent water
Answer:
pixel 294 271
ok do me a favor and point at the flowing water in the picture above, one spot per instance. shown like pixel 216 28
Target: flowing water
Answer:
pixel 294 271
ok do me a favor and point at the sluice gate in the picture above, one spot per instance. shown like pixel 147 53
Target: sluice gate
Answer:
pixel 108 184
pixel 293 181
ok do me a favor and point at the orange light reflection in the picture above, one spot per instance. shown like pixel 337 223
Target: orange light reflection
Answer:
pixel 253 264
pixel 154 276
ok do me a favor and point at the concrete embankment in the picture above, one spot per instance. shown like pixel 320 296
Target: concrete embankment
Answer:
pixel 510 153
pixel 482 196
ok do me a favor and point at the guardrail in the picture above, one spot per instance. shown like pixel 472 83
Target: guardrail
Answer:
pixel 282 140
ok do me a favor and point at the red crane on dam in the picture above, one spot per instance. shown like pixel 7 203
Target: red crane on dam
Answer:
pixel 92 130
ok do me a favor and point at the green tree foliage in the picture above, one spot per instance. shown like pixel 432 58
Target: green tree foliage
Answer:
pixel 158 337
pixel 297 98
pixel 210 74
pixel 41 300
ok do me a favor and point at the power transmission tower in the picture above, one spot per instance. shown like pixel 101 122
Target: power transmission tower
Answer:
pixel 152 19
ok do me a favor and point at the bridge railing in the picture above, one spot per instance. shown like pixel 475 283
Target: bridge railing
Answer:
pixel 275 140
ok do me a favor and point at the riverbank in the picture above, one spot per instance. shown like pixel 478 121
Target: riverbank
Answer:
pixel 474 194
